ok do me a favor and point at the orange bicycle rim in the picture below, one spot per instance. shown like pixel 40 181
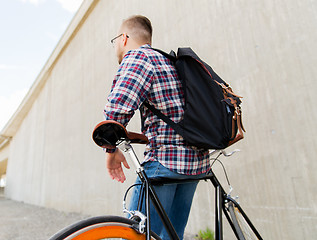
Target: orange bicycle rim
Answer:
pixel 109 232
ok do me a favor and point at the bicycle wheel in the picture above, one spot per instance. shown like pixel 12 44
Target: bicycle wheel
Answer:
pixel 243 226
pixel 103 227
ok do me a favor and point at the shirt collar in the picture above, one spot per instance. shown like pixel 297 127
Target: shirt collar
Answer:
pixel 146 46
pixel 142 47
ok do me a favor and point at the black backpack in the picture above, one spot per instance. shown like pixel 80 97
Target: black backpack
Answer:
pixel 212 114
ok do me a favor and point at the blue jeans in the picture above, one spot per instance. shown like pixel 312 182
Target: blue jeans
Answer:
pixel 175 198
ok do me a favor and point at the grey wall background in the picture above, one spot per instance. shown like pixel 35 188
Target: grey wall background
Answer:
pixel 266 50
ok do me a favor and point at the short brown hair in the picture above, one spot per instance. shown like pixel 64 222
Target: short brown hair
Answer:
pixel 140 27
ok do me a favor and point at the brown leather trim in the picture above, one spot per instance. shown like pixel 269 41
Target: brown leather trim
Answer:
pixel 239 135
pixel 236 139
pixel 227 89
pixel 233 128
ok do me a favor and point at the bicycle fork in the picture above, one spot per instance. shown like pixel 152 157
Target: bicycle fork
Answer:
pixel 219 201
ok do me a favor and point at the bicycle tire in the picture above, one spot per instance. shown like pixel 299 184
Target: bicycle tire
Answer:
pixel 242 228
pixel 102 227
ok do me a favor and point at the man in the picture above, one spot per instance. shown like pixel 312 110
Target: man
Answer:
pixel 145 74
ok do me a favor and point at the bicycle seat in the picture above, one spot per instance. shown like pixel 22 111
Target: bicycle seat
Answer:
pixel 109 134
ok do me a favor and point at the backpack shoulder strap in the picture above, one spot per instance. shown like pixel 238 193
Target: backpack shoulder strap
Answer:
pixel 163 117
pixel 171 56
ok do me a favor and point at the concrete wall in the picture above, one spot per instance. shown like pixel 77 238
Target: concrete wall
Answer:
pixel 265 49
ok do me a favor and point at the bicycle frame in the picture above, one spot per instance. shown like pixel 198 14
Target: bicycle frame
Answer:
pixel 221 198
pixel 149 193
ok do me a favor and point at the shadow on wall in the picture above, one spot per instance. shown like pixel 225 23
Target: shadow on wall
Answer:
pixel 3 170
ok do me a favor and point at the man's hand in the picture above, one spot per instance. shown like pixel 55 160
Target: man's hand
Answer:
pixel 114 167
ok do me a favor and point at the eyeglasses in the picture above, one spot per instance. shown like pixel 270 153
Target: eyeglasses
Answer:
pixel 113 40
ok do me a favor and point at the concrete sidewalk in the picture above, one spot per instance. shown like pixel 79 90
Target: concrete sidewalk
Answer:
pixel 20 221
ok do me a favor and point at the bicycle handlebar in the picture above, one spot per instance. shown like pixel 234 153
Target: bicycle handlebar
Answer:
pixel 223 152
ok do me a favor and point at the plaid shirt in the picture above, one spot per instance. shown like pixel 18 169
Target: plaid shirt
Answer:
pixel 146 74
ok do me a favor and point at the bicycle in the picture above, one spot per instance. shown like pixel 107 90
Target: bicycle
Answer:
pixel 111 134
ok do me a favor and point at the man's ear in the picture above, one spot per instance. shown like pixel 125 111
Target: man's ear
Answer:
pixel 125 39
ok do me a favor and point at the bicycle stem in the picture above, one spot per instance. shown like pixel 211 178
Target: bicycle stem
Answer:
pixel 126 147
